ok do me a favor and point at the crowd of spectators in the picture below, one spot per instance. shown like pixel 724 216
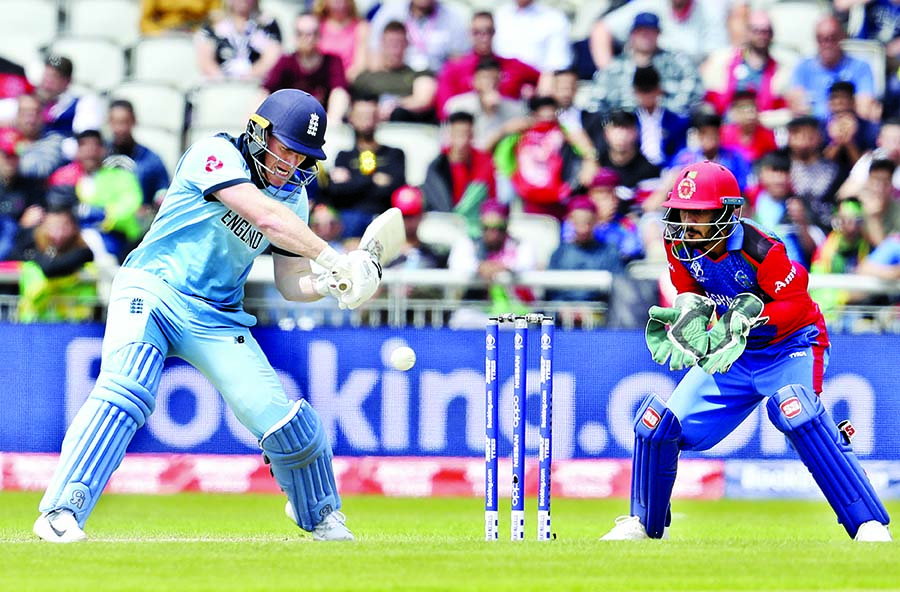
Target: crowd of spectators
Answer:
pixel 589 132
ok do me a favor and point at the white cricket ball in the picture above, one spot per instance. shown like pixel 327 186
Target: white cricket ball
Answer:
pixel 403 358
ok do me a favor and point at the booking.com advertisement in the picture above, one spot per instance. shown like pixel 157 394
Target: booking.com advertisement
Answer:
pixel 434 409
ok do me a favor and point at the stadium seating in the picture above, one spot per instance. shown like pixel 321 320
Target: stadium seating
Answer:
pixel 872 52
pixel 35 20
pixel 284 11
pixel 22 49
pixel 168 59
pixel 224 104
pixel 116 20
pixel 540 231
pixel 338 137
pixel 166 143
pixel 98 63
pixel 794 25
pixel 419 142
pixel 155 105
pixel 441 229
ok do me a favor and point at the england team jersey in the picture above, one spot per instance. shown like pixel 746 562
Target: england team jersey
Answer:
pixel 196 244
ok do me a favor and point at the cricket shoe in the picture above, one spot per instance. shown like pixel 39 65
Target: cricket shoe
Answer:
pixel 59 526
pixel 873 532
pixel 629 528
pixel 331 528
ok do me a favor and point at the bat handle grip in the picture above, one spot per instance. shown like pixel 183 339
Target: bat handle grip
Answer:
pixel 343 285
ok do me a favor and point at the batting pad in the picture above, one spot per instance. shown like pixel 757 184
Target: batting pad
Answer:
pixel 301 463
pixel 95 443
pixel 799 414
pixel 657 432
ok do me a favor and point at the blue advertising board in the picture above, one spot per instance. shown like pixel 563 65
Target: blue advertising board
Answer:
pixel 437 408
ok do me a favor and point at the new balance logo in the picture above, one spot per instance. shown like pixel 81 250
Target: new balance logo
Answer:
pixel 137 306
pixel 238 339
pixel 313 128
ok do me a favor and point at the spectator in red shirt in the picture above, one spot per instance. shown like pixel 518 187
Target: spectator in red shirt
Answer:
pixel 744 133
pixel 13 81
pixel 517 79
pixel 461 177
pixel 319 74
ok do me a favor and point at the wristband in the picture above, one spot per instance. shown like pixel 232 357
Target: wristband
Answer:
pixel 327 258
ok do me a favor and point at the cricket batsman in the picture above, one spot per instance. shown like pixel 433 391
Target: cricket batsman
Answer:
pixel 769 342
pixel 180 292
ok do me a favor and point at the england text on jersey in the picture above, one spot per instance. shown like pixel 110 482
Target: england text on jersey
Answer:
pixel 242 229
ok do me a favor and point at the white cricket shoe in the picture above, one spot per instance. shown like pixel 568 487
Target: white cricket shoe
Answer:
pixel 59 526
pixel 873 532
pixel 331 528
pixel 629 528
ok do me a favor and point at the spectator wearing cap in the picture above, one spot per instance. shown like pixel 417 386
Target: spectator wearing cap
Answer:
pixel 148 166
pixel 39 153
pixel 663 132
pixel 688 27
pixel 621 151
pixel 813 177
pixel 776 206
pixel 109 197
pixel 616 222
pixel 744 133
pixel 415 254
pixel 813 76
pixel 612 89
pixel 21 198
pixel 363 178
pixel 583 251
pixel 544 162
pixel 517 79
pixel 847 135
pixel 461 178
pixel 494 116
pixel 493 255
pixel 54 254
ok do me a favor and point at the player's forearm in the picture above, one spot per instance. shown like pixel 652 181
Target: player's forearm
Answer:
pixel 287 231
pixel 299 289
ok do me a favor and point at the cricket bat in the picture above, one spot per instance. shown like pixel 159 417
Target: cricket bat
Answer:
pixel 383 238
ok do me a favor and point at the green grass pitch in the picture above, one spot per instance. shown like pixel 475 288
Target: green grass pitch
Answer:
pixel 204 542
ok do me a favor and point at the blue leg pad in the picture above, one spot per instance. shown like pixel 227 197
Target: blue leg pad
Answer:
pixel 95 443
pixel 301 456
pixel 799 414
pixel 657 432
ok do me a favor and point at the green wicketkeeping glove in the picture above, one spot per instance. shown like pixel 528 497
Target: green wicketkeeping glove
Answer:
pixel 686 339
pixel 728 337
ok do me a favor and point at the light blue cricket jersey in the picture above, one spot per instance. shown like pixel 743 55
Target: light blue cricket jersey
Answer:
pixel 196 244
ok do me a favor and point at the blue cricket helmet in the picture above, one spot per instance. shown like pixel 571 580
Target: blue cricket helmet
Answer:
pixel 296 118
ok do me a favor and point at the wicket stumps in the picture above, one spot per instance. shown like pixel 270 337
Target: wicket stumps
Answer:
pixel 519 421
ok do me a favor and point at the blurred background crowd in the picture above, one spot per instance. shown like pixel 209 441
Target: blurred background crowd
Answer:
pixel 515 136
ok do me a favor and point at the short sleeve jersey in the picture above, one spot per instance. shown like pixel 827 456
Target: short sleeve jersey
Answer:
pixel 198 245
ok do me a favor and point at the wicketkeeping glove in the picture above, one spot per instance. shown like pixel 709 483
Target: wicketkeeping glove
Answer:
pixel 728 337
pixel 686 339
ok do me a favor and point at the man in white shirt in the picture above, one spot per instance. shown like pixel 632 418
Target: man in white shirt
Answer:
pixel 535 34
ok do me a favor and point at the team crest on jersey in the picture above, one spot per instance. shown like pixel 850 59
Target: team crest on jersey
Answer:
pixel 687 187
pixel 213 163
pixel 697 271
pixel 743 279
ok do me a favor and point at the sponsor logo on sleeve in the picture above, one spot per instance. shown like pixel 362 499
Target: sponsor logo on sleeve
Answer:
pixel 791 408
pixel 780 284
pixel 650 418
pixel 213 163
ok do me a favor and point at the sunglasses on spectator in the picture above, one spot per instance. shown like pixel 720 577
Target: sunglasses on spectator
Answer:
pixel 494 225
pixel 766 30
pixel 489 31
pixel 828 38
